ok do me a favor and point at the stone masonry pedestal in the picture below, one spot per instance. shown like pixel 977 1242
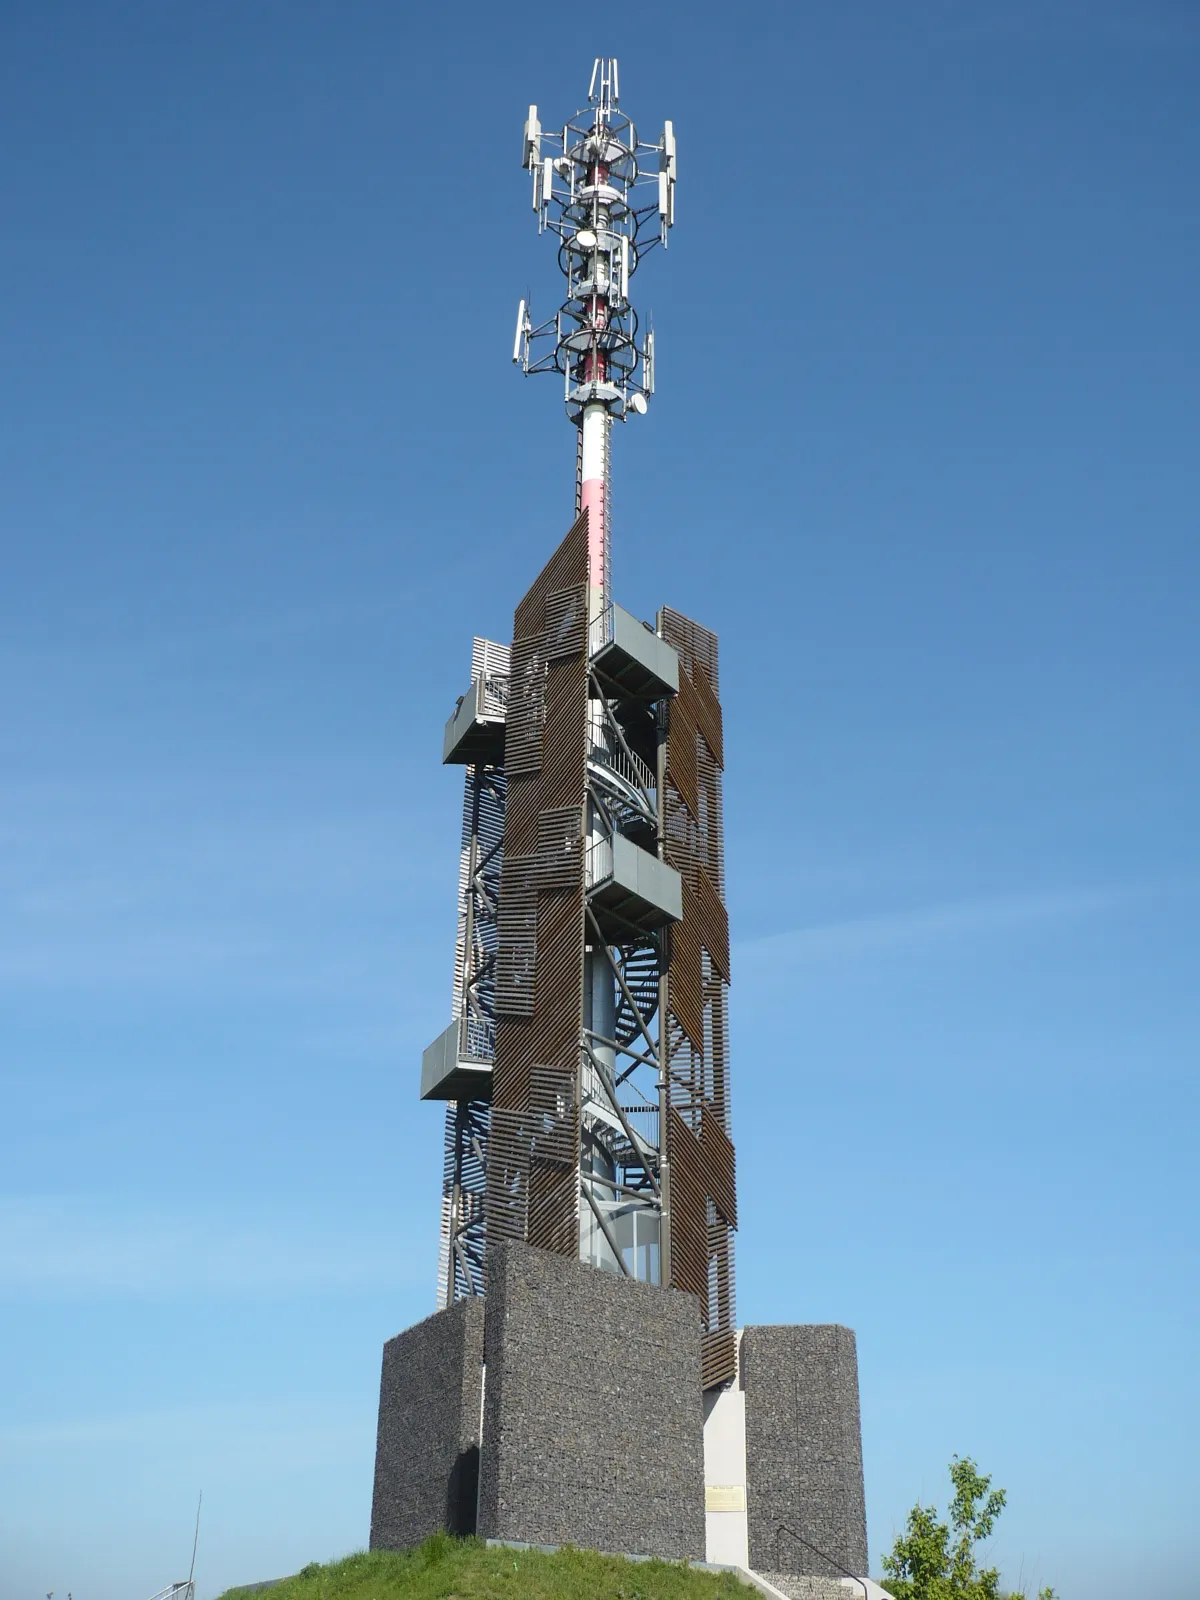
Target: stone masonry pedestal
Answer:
pixel 567 1409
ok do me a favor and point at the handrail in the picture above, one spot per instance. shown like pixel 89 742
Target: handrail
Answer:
pixel 855 1577
pixel 600 631
pixel 598 862
pixel 492 694
pixel 626 765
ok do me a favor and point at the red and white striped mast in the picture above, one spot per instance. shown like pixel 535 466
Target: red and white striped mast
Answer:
pixel 607 212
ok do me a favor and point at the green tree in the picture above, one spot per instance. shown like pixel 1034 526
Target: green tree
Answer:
pixel 933 1560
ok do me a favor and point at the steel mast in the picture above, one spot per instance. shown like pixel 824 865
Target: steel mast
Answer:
pixel 607 214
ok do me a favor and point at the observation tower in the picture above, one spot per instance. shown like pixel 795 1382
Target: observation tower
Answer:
pixel 586 1068
pixel 583 1380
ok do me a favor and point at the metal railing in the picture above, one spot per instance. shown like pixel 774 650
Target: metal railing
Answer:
pixel 629 768
pixel 855 1577
pixel 598 863
pixel 477 1036
pixel 600 631
pixel 492 694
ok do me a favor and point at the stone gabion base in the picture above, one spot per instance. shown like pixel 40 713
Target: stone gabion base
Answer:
pixel 799 1588
pixel 593 1412
pixel 593 1415
pixel 427 1446
pixel 803 1450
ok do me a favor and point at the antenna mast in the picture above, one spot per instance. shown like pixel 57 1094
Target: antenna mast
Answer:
pixel 610 198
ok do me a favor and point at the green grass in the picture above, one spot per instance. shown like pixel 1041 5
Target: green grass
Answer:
pixel 466 1569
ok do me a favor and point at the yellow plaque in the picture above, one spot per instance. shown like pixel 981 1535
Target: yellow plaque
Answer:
pixel 724 1497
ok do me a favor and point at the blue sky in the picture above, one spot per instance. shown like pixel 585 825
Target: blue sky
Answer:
pixel 923 451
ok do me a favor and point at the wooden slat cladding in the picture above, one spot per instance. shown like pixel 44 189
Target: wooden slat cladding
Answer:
pixel 694 642
pixel 685 972
pixel 566 621
pixel 554 1208
pixel 689 1208
pixel 712 923
pixel 553 1220
pixel 718 1357
pixel 526 706
pixel 560 842
pixel 708 712
pixel 516 931
pixel 506 1204
pixel 533 1158
pixel 702 1164
pixel 682 729
pixel 720 1166
pixel 681 832
pixel 563 776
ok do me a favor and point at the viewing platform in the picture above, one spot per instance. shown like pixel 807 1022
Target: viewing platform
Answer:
pixel 450 1072
pixel 629 658
pixel 475 731
pixel 629 889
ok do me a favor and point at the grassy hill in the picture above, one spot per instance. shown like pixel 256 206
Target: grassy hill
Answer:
pixel 465 1569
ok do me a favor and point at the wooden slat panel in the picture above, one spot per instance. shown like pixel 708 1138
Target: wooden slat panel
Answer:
pixel 566 622
pixel 697 1007
pixel 533 1165
pixel 720 1165
pixel 526 706
pixel 554 1208
pixel 516 930
pixel 718 1357
pixel 521 814
pixel 563 778
pixel 554 1168
pixel 566 568
pixel 681 835
pixel 712 923
pixel 681 744
pixel 507 1202
pixel 558 1002
pixel 708 713
pixel 711 841
pixel 694 642
pixel 560 843
pixel 689 1242
pixel 685 977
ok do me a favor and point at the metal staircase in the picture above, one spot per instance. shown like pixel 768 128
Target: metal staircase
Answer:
pixel 640 970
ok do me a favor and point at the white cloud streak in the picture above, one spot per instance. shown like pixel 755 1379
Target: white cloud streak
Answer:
pixel 929 924
pixel 310 1431
pixel 70 1246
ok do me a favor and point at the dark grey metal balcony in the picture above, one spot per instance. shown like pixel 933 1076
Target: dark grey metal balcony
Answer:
pixel 449 1073
pixel 629 658
pixel 476 730
pixel 630 889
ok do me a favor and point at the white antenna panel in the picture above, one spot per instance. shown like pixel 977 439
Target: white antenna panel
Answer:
pixel 595 75
pixel 519 336
pixel 533 139
pixel 624 267
pixel 547 180
pixel 667 162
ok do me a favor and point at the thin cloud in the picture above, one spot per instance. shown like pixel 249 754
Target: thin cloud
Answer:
pixel 69 1246
pixel 928 924
pixel 278 1436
